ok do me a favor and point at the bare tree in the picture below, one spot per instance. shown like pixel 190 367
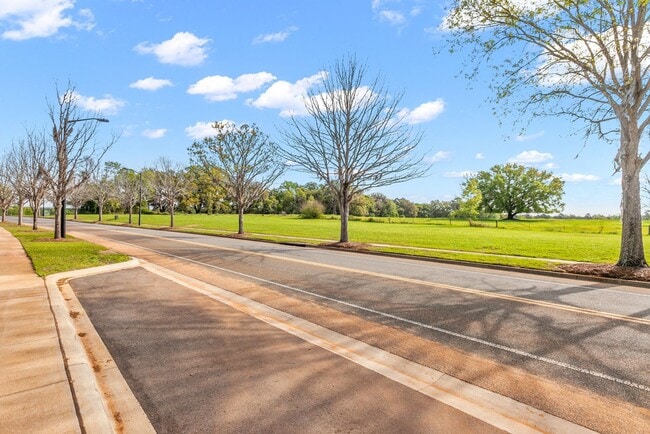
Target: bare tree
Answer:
pixel 79 197
pixel 248 161
pixel 355 137
pixel 588 60
pixel 102 186
pixel 15 165
pixel 128 184
pixel 33 158
pixel 78 153
pixel 170 184
pixel 7 194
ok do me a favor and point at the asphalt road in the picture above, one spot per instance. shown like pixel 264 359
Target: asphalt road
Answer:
pixel 576 334
pixel 199 366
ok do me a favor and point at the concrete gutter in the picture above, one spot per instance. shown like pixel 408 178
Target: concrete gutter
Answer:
pixel 104 401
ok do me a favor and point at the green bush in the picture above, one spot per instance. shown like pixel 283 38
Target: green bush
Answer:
pixel 312 209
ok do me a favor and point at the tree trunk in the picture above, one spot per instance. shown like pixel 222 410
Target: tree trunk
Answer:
pixel 131 215
pixel 100 208
pixel 76 213
pixel 57 219
pixel 632 254
pixel 4 214
pixel 345 215
pixel 171 216
pixel 35 220
pixel 240 231
pixel 20 211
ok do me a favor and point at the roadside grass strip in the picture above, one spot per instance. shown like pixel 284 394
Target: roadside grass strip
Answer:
pixel 50 256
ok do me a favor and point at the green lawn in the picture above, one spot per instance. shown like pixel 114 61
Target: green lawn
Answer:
pixel 571 240
pixel 51 256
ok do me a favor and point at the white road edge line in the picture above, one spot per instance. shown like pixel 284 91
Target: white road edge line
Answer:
pixel 480 292
pixel 497 410
pixel 516 351
pixel 576 284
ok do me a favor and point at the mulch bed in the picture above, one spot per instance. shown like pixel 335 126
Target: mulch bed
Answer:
pixel 611 271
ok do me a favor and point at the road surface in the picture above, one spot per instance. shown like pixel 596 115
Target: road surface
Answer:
pixel 566 346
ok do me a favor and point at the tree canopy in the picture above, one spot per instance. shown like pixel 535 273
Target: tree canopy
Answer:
pixel 248 161
pixel 513 189
pixel 588 60
pixel 354 137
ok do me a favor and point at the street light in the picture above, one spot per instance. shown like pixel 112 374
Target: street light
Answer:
pixel 140 202
pixel 72 121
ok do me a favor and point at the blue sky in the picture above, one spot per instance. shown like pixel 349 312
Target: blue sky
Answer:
pixel 161 71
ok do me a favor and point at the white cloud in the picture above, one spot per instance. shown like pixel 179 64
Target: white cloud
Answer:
pixel 155 134
pixel 529 137
pixel 274 37
pixel 531 157
pixel 616 181
pixel 150 83
pixel 107 105
pixel 183 49
pixel 288 97
pixel 479 156
pixel 223 88
pixel 550 166
pixel 439 156
pixel 394 18
pixel 423 113
pixel 463 174
pixel 578 177
pixel 201 130
pixel 416 10
pixel 28 19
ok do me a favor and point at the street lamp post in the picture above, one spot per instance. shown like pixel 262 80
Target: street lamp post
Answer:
pixel 140 202
pixel 72 121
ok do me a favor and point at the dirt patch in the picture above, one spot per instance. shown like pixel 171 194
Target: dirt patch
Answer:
pixel 52 240
pixel 348 245
pixel 610 271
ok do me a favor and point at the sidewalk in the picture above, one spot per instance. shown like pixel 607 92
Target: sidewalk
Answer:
pixel 35 394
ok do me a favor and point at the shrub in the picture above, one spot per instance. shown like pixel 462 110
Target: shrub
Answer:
pixel 312 209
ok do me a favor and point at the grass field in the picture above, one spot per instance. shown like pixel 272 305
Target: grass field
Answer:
pixel 527 243
pixel 49 256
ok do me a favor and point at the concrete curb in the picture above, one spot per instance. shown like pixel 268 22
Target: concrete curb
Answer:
pixel 97 413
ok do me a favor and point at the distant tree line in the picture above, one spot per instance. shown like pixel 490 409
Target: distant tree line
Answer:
pixel 115 189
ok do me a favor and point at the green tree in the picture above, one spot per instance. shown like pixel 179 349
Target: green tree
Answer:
pixel 205 193
pixel 587 60
pixel 406 208
pixel 362 205
pixel 513 189
pixel 384 207
pixel 469 206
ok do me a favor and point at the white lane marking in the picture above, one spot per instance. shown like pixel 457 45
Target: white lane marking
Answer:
pixel 436 285
pixel 579 285
pixel 512 350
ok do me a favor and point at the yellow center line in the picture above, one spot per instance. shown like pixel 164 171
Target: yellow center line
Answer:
pixel 478 292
